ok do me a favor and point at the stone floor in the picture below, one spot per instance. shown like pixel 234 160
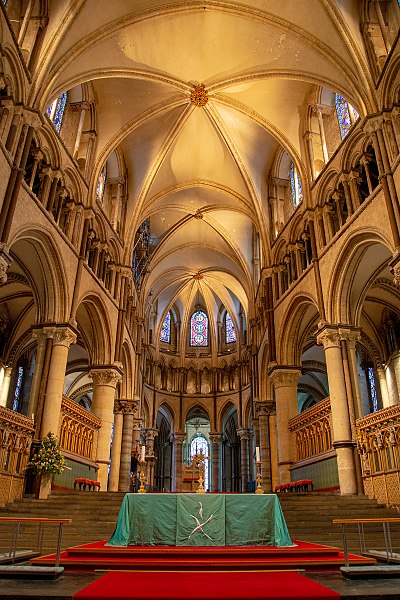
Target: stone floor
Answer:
pixel 67 585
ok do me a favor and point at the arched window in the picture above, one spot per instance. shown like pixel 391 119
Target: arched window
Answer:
pixel 166 329
pixel 371 381
pixel 230 333
pixel 101 184
pixel 346 114
pixel 17 401
pixel 200 443
pixel 295 184
pixel 199 329
pixel 56 110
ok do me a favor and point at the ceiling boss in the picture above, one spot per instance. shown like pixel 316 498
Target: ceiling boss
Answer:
pixel 199 96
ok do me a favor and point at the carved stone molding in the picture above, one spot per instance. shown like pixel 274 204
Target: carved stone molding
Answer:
pixel 62 335
pixel 5 262
pixel 285 377
pixel 105 376
pixel 329 338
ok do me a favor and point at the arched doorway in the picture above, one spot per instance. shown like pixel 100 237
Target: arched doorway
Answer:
pixel 163 452
pixel 231 475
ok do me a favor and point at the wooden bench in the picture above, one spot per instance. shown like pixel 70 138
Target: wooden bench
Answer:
pixel 360 525
pixel 90 483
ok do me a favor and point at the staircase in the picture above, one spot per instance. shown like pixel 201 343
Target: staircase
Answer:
pixel 94 514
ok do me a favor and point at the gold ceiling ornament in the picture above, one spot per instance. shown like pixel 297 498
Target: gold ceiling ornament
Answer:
pixel 198 276
pixel 199 96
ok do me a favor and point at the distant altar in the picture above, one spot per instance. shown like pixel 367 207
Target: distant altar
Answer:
pixel 200 520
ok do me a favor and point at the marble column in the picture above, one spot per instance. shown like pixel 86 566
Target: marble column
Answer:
pixel 263 412
pixel 215 439
pixel 129 408
pixel 105 380
pixel 285 385
pixel 341 424
pixel 116 448
pixel 41 340
pixel 63 337
pixel 244 457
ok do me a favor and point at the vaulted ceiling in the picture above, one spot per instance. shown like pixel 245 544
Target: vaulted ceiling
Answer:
pixel 201 173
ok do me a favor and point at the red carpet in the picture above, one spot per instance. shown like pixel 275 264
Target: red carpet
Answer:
pixel 169 585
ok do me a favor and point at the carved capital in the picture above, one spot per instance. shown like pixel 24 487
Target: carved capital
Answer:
pixel 285 378
pixel 5 262
pixel 105 376
pixel 215 438
pixel 127 407
pixel 350 335
pixel 62 336
pixel 329 338
pixel 264 409
pixel 179 438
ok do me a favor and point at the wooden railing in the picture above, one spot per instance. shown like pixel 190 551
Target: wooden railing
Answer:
pixel 313 430
pixel 16 433
pixel 378 444
pixel 78 430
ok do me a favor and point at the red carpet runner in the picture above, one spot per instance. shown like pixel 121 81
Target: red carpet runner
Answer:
pixel 167 585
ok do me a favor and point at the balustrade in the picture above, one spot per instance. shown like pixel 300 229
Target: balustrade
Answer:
pixel 313 430
pixel 378 444
pixel 16 433
pixel 79 429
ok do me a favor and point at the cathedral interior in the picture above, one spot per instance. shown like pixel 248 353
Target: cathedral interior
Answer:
pixel 200 234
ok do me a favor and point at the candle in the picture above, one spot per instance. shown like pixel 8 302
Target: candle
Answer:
pixel 257 454
pixel 33 418
pixel 142 455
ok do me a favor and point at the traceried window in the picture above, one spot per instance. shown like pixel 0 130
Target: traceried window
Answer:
pixel 166 329
pixel 199 329
pixel 230 333
pixel 101 184
pixel 56 110
pixel 197 444
pixel 18 389
pixel 371 380
pixel 295 184
pixel 346 114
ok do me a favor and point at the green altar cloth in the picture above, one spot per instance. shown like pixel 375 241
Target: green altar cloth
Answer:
pixel 200 520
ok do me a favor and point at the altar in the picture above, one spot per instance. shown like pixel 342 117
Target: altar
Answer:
pixel 200 520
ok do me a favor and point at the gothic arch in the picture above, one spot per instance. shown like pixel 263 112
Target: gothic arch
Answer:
pixel 357 265
pixel 94 326
pixel 301 314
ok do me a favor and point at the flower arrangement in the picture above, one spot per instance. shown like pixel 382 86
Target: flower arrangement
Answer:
pixel 48 458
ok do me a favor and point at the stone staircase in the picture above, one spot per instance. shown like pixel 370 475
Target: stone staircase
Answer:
pixel 308 516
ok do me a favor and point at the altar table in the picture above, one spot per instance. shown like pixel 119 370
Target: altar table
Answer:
pixel 200 520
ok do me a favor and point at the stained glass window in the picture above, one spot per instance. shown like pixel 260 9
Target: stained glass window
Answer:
pixel 197 444
pixel 166 329
pixel 101 184
pixel 295 184
pixel 346 115
pixel 56 110
pixel 18 387
pixel 374 398
pixel 199 329
pixel 230 333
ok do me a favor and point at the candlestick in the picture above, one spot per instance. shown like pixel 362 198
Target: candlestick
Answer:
pixel 259 489
pixel 142 477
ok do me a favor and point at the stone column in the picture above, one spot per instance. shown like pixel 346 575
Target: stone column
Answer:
pixel 383 387
pixel 105 380
pixel 41 339
pixel 5 386
pixel 63 337
pixel 116 448
pixel 179 438
pixel 215 439
pixel 285 385
pixel 129 408
pixel 342 434
pixel 263 412
pixel 244 457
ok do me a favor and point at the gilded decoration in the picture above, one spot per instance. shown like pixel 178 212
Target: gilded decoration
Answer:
pixel 199 96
